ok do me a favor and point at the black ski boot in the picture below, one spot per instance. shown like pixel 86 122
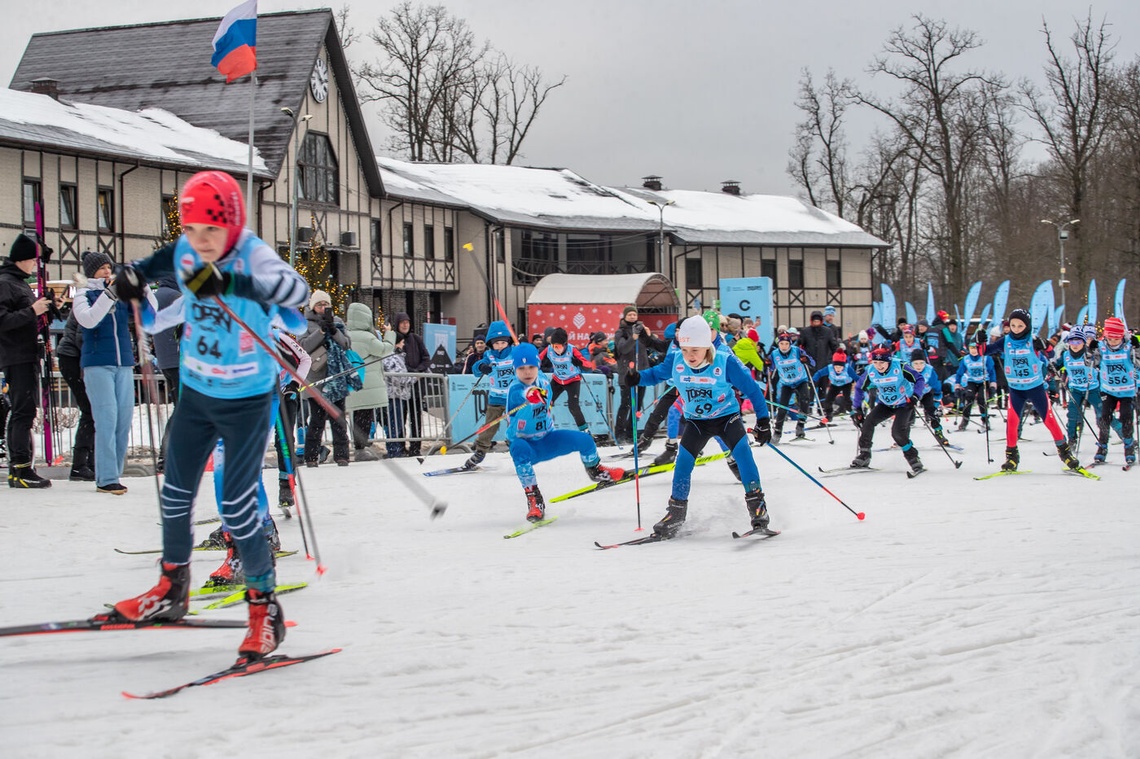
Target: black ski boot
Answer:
pixel 285 498
pixel 777 433
pixel 1012 459
pixel 800 431
pixel 733 467
pixel 269 527
pixel 940 436
pixel 757 509
pixel 215 539
pixel 24 476
pixel 1067 456
pixel 911 455
pixel 667 456
pixel 475 459
pixel 862 459
pixel 674 517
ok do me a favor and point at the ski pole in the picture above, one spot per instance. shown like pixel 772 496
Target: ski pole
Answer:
pixel 491 424
pixel 331 377
pixel 823 420
pixel 635 415
pixel 858 514
pixel 151 385
pixel 287 452
pixel 303 513
pixel 437 505
pixel 490 290
pixel 986 410
pixel 797 411
pixel 458 411
pixel 323 402
pixel 957 464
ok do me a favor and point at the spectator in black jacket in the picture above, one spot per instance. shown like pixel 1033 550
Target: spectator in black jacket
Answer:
pixel 632 339
pixel 20 356
pixel 478 345
pixel 418 359
pixel 819 340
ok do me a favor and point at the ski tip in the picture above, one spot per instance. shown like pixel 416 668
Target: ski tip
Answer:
pixel 290 623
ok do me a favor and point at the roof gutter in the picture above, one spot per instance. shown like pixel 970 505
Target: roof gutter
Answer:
pixel 122 233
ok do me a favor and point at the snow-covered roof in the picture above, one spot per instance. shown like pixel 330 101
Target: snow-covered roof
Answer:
pixel 518 196
pixel 645 290
pixel 718 218
pixel 151 136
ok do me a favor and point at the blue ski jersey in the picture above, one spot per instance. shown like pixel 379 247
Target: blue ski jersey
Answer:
pixel 1080 370
pixel 708 392
pixel 1117 370
pixel 788 366
pixel 893 387
pixel 929 380
pixel 1024 368
pixel 501 376
pixel 844 376
pixel 976 369
pixel 219 358
pixel 563 363
pixel 533 420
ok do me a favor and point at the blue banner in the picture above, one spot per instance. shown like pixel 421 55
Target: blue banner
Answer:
pixel 1041 307
pixel 985 317
pixel 890 313
pixel 1055 319
pixel 929 303
pixel 1118 301
pixel 1001 298
pixel 752 297
pixel 1090 316
pixel 1082 315
pixel 911 314
pixel 972 301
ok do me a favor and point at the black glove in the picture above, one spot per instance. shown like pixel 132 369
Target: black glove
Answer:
pixel 858 418
pixel 485 368
pixel 632 378
pixel 291 389
pixel 639 328
pixel 912 400
pixel 128 283
pixel 575 360
pixel 208 280
pixel 980 337
pixel 762 432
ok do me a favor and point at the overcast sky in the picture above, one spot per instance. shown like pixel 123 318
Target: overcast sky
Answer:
pixel 697 92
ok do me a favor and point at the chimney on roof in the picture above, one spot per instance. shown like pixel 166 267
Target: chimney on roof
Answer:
pixel 45 85
pixel 730 186
pixel 651 182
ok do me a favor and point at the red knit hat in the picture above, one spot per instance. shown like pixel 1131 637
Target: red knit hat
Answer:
pixel 214 198
pixel 839 358
pixel 1114 328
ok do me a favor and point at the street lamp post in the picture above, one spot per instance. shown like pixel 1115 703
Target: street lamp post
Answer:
pixel 661 233
pixel 297 119
pixel 1062 235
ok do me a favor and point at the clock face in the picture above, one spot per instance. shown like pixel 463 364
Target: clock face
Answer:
pixel 319 82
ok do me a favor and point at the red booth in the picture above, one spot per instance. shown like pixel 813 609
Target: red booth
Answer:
pixel 586 303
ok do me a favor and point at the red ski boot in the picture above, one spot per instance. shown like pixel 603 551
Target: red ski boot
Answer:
pixel 230 572
pixel 166 601
pixel 536 511
pixel 266 625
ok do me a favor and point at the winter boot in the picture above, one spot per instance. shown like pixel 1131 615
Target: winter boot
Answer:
pixel 940 436
pixel 607 474
pixel 733 467
pixel 23 476
pixel 964 423
pixel 911 455
pixel 1067 456
pixel 674 517
pixel 284 495
pixel 800 430
pixel 777 433
pixel 230 572
pixel 667 456
pixel 266 625
pixel 1130 451
pixel 167 601
pixel 862 459
pixel 1101 454
pixel 536 507
pixel 475 459
pixel 757 509
pixel 1012 459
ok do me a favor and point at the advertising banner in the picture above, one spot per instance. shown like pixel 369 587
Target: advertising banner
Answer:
pixel 580 320
pixel 751 297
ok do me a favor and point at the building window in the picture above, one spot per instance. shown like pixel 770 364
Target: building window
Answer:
pixel 170 217
pixel 768 269
pixel 409 243
pixel 694 274
pixel 377 230
pixel 68 195
pixel 31 197
pixel 318 177
pixel 795 274
pixel 105 210
pixel 448 244
pixel 834 275
pixel 429 241
pixel 500 245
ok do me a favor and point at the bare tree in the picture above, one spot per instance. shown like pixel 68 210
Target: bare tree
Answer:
pixel 448 97
pixel 1074 114
pixel 346 33
pixel 818 161
pixel 938 113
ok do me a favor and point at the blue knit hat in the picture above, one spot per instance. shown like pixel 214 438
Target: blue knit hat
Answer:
pixel 524 354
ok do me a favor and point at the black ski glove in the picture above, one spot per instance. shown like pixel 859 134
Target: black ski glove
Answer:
pixel 128 283
pixel 632 378
pixel 858 418
pixel 762 432
pixel 208 280
pixel 485 368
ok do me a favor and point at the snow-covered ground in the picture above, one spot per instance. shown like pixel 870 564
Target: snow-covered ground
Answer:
pixel 961 618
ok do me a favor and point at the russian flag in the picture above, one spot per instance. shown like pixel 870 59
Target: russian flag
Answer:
pixel 235 42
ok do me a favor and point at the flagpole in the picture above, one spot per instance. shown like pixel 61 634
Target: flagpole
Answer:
pixel 249 174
